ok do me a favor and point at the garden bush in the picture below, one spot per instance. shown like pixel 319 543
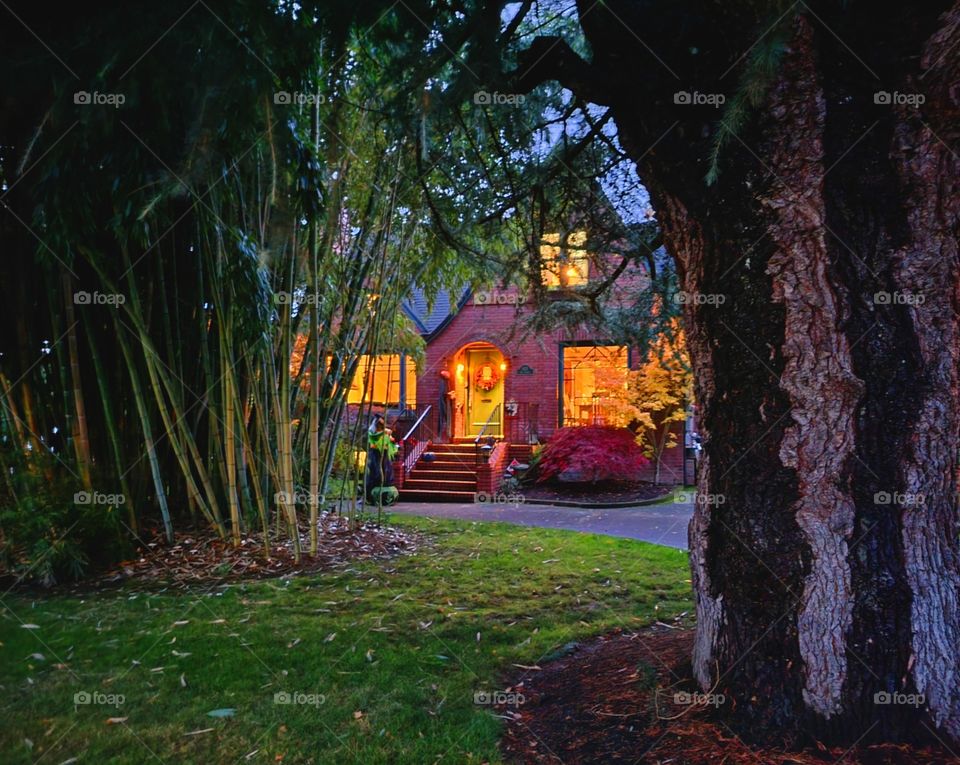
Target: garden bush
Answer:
pixel 48 538
pixel 587 455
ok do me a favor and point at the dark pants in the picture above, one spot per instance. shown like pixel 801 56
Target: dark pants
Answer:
pixel 379 471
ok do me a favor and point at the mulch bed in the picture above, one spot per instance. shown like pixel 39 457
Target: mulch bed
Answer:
pixel 606 491
pixel 613 701
pixel 202 558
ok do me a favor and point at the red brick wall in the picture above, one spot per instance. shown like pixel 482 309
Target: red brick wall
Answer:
pixel 490 472
pixel 498 324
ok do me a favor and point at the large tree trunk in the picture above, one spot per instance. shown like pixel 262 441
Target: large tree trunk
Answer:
pixel 827 381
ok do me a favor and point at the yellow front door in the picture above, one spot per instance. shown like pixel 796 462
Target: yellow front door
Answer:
pixel 484 385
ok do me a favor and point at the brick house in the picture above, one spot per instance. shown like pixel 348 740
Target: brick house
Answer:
pixel 484 375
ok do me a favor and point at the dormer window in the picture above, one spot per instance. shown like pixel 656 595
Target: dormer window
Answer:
pixel 564 261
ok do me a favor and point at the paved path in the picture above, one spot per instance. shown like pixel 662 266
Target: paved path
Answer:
pixel 664 524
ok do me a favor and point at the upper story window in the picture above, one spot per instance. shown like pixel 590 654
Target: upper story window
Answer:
pixel 564 261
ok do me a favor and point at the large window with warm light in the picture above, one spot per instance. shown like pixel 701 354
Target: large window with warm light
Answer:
pixel 384 380
pixel 591 376
pixel 564 261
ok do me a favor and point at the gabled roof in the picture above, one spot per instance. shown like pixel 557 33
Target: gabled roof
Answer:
pixel 429 320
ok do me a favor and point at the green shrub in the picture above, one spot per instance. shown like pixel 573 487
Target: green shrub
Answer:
pixel 46 537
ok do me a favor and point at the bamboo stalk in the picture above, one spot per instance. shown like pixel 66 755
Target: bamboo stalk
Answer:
pixel 149 443
pixel 284 424
pixel 81 438
pixel 229 439
pixel 112 435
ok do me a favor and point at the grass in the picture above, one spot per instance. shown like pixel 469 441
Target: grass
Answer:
pixel 671 496
pixel 392 651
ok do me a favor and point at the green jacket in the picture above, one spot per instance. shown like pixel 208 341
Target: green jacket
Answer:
pixel 382 443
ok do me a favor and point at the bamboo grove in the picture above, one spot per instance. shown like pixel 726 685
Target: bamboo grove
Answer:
pixel 203 231
pixel 188 295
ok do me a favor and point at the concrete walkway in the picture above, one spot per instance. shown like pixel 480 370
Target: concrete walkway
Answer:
pixel 664 524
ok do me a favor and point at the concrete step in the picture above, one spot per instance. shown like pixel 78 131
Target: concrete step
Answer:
pixel 447 462
pixel 433 495
pixel 450 457
pixel 464 456
pixel 443 475
pixel 432 484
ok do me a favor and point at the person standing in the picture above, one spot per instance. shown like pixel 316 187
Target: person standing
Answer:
pixel 444 414
pixel 381 449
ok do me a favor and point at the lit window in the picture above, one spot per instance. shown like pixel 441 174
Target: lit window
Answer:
pixel 589 372
pixel 379 382
pixel 564 263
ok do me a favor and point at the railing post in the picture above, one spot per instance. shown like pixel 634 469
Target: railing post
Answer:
pixel 404 452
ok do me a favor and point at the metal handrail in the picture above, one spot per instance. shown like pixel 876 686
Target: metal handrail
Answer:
pixel 419 419
pixel 409 459
pixel 476 441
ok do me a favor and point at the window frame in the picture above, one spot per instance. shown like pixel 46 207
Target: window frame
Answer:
pixel 567 254
pixel 403 386
pixel 563 345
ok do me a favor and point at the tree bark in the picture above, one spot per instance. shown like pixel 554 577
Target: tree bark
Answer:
pixel 824 544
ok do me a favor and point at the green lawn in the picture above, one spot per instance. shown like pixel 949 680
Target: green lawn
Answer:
pixel 392 652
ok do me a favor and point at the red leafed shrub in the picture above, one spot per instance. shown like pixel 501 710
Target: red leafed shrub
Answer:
pixel 581 455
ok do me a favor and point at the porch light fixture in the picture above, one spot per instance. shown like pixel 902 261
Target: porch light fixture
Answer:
pixel 460 368
pixel 503 366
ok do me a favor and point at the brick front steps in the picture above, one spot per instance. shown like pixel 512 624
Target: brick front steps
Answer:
pixel 454 476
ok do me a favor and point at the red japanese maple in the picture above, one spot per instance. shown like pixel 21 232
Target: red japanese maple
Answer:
pixel 581 455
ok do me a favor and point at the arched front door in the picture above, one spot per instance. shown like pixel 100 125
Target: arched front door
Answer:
pixel 484 380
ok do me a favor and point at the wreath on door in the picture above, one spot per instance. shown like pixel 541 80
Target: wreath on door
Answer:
pixel 487 377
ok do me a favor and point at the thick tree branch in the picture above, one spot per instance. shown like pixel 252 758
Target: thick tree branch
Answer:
pixel 551 58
